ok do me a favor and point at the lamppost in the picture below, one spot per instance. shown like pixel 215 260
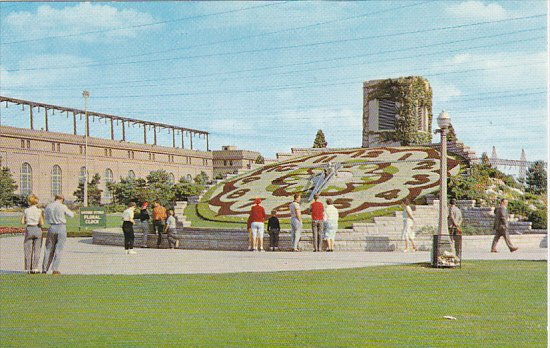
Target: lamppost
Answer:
pixel 86 95
pixel 443 121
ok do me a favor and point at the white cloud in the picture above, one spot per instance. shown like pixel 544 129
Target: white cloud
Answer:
pixel 444 91
pixel 23 82
pixel 502 70
pixel 477 10
pixel 84 17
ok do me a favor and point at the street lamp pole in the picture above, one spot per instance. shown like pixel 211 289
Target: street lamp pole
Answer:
pixel 443 121
pixel 86 95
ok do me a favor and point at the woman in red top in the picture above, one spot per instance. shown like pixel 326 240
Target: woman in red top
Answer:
pixel 257 218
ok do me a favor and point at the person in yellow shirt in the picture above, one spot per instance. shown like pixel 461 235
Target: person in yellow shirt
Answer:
pixel 159 218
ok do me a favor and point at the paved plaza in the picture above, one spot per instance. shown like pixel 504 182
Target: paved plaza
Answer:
pixel 82 257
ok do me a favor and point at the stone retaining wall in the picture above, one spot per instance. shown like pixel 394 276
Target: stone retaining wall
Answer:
pixel 346 240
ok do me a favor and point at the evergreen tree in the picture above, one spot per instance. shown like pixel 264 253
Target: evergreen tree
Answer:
pixel 485 159
pixel 320 141
pixel 183 189
pixel 94 193
pixel 202 179
pixel 7 188
pixel 451 134
pixel 260 159
pixel 536 178
pixel 159 187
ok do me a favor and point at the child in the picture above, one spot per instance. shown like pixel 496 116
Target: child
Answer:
pixel 170 229
pixel 273 228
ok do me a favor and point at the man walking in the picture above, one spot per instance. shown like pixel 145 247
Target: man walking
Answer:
pixel 317 223
pixel 455 221
pixel 501 226
pixel 159 216
pixel 57 233
pixel 295 222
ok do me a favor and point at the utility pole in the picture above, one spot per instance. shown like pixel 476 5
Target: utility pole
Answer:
pixel 86 95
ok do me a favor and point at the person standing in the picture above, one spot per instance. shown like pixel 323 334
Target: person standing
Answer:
pixel 257 218
pixel 170 229
pixel 317 223
pixel 455 221
pixel 332 224
pixel 34 220
pixel 501 226
pixel 128 228
pixel 273 228
pixel 144 223
pixel 159 216
pixel 408 221
pixel 249 230
pixel 295 222
pixel 55 215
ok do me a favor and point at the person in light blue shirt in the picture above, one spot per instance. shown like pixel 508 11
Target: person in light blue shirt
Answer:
pixel 55 214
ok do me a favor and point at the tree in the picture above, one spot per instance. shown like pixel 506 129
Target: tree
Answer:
pixel 485 159
pixel 159 187
pixel 183 189
pixel 7 188
pixel 536 178
pixel 451 134
pixel 94 193
pixel 129 190
pixel 320 141
pixel 202 179
pixel 260 159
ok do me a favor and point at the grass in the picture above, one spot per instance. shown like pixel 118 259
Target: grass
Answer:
pixel 72 224
pixel 496 303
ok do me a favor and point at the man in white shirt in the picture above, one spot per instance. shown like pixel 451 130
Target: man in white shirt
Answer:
pixel 57 233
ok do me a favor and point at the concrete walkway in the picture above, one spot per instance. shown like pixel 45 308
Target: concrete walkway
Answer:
pixel 82 257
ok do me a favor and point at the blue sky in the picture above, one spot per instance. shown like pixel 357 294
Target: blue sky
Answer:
pixel 266 75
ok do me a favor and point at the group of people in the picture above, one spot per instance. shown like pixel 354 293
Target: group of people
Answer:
pixel 55 214
pixel 454 220
pixel 164 221
pixel 324 224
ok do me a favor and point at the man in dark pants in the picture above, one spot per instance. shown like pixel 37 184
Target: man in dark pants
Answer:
pixel 159 216
pixel 501 226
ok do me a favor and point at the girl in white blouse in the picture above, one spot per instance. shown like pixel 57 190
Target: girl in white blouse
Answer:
pixel 34 220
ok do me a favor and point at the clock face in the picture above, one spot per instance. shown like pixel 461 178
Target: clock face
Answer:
pixel 367 180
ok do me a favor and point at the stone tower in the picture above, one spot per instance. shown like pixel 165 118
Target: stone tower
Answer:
pixel 397 112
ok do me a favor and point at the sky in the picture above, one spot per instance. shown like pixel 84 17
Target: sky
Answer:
pixel 265 76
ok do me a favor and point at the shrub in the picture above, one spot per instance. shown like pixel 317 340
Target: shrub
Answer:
pixel 539 218
pixel 518 207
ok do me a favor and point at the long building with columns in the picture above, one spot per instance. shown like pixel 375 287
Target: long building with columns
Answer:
pixel 47 163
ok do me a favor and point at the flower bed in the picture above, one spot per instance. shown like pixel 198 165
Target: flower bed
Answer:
pixel 11 230
pixel 370 182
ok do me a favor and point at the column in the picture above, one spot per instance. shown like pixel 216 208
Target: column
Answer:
pixel 87 124
pixel 144 133
pixel 74 121
pixel 46 118
pixel 173 137
pixel 207 146
pixel 123 132
pixel 191 139
pixel 155 135
pixel 112 130
pixel 32 121
pixel 182 136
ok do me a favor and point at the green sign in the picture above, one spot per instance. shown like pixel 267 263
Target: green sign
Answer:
pixel 92 217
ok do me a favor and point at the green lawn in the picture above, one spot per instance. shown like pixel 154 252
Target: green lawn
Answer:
pixel 72 224
pixel 496 303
